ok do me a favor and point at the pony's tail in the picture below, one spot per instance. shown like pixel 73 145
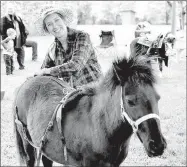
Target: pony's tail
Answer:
pixel 19 140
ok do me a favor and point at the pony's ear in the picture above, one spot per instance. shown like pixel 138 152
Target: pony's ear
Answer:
pixel 161 36
pixel 117 73
pixel 120 75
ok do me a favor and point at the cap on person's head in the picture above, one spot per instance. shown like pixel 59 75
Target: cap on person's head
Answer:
pixel 106 33
pixel 10 31
pixel 66 14
pixel 143 27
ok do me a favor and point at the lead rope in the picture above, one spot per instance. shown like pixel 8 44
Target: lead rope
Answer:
pixel 44 139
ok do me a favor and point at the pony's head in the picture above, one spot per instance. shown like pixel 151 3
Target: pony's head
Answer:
pixel 139 101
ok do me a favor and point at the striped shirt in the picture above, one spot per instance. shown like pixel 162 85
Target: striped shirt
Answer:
pixel 78 65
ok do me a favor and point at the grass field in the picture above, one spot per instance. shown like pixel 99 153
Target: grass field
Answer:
pixel 172 108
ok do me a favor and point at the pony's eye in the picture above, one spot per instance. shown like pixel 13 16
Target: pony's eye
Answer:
pixel 131 103
pixel 131 100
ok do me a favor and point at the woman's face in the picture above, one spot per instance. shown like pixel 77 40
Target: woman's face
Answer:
pixel 56 26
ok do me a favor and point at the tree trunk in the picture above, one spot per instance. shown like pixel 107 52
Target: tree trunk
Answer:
pixel 173 27
pixel 167 18
pixel 182 21
pixel 182 15
pixel 167 13
pixel 183 12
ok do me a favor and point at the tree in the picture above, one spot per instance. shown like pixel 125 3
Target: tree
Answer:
pixel 83 11
pixel 156 12
pixel 181 11
pixel 168 11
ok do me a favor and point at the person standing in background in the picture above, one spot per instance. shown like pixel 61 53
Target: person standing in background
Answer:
pixel 11 20
pixel 8 51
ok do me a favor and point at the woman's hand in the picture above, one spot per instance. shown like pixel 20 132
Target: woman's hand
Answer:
pixel 44 71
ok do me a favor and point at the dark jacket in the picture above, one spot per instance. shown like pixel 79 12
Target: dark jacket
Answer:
pixel 6 23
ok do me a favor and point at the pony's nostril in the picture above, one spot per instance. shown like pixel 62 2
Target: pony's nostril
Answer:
pixel 152 145
pixel 157 148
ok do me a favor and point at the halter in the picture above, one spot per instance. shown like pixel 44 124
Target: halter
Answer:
pixel 134 124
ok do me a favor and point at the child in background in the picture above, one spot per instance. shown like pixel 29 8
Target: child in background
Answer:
pixel 8 50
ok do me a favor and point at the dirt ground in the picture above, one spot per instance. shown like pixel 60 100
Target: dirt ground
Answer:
pixel 172 108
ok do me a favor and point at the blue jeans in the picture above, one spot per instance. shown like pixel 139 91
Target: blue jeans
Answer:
pixel 20 57
pixel 34 46
pixel 9 63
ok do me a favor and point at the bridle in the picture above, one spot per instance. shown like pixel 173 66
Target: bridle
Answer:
pixel 134 124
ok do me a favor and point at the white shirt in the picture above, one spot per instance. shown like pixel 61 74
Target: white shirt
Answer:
pixel 8 48
pixel 107 55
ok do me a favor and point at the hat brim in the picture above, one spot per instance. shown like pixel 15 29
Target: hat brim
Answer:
pixel 68 18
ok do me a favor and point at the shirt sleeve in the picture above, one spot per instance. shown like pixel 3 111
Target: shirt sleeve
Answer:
pixel 81 54
pixel 48 62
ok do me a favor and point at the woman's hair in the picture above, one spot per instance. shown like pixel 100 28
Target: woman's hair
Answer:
pixel 44 26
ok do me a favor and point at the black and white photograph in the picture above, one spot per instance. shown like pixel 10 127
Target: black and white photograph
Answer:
pixel 93 83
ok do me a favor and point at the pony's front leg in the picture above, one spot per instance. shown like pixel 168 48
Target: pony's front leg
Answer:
pixel 98 163
pixel 30 154
pixel 46 162
pixel 88 163
pixel 73 162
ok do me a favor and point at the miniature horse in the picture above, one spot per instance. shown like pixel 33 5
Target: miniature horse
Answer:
pixel 97 121
pixel 161 49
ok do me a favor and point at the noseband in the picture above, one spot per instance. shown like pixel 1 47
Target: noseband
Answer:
pixel 134 124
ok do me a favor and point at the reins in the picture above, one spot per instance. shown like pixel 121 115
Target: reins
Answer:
pixel 125 116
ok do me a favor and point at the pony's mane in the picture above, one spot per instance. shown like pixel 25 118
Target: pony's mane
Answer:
pixel 135 70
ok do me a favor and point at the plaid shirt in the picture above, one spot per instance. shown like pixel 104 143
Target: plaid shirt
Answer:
pixel 77 65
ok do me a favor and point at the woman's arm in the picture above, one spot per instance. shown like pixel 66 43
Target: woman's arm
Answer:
pixel 48 62
pixel 80 56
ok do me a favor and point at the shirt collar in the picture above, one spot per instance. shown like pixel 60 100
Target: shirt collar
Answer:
pixel 71 35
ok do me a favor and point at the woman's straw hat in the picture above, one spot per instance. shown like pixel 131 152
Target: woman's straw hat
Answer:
pixel 65 12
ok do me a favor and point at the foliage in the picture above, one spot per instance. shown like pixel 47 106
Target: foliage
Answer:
pixel 99 12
